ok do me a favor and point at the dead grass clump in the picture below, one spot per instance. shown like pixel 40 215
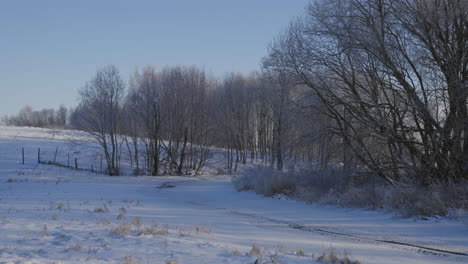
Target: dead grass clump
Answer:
pixel 182 232
pixel 60 206
pixel 136 221
pixel 173 261
pixel 330 256
pixel 45 231
pixel 255 251
pixel 122 212
pixel 101 209
pixel 104 243
pixel 200 229
pixel 155 230
pixel 122 230
pixel 137 228
pixel 236 253
pixel 299 252
pixel 75 247
pixel 275 259
pixel 105 221
pixel 129 260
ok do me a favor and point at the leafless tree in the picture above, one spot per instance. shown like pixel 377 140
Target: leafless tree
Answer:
pixel 392 76
pixel 99 113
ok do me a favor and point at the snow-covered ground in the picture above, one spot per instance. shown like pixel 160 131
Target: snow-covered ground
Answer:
pixel 50 214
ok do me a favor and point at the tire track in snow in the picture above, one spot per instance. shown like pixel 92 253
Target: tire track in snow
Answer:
pixel 419 248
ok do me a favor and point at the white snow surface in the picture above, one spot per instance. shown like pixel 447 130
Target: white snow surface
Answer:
pixel 50 214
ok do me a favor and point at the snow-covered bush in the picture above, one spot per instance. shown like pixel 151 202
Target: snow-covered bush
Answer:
pixel 265 181
pixel 332 186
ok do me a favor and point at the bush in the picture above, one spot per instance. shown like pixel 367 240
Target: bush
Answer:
pixel 332 186
pixel 265 181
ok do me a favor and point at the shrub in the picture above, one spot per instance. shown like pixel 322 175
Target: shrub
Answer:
pixel 266 181
pixel 332 186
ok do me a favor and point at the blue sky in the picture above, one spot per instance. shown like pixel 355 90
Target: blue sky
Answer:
pixel 49 49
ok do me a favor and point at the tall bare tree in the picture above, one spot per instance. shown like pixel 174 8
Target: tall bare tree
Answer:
pixel 392 76
pixel 99 113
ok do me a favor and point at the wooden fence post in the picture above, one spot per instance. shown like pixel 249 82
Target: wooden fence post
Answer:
pixel 38 155
pixel 22 152
pixel 76 163
pixel 55 156
pixel 68 161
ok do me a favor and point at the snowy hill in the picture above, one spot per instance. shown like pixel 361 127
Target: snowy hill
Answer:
pixel 51 214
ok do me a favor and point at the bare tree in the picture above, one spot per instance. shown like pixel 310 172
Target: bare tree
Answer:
pixel 99 113
pixel 144 104
pixel 392 76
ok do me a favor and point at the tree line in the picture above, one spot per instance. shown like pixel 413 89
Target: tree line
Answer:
pixel 46 118
pixel 171 120
pixel 376 87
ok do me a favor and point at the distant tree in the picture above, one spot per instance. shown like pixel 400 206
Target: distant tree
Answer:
pixel 48 118
pixel 61 116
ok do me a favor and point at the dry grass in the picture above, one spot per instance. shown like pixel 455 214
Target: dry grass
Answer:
pixel 122 213
pixel 105 221
pixel 104 243
pixel 60 206
pixel 194 229
pixel 136 221
pixel 45 231
pixel 299 252
pixel 182 232
pixel 101 209
pixel 330 256
pixel 255 251
pixel 75 247
pixel 155 230
pixel 122 230
pixel 138 229
pixel 129 260
pixel 172 261
pixel 236 253
pixel 200 229
pixel 275 259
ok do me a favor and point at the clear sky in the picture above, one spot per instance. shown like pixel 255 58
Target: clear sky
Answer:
pixel 49 49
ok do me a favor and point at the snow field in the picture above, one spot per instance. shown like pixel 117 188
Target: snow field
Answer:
pixel 51 214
